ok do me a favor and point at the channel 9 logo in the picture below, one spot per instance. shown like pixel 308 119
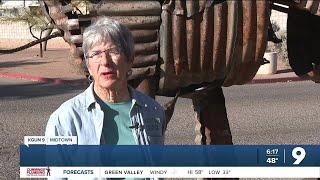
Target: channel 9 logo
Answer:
pixel 298 154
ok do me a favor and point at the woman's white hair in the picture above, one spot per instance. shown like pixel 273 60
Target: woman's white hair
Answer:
pixel 106 29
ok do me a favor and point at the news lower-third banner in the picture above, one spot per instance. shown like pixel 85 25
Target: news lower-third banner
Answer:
pixel 170 156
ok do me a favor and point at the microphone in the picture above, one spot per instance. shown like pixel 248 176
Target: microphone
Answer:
pixel 135 126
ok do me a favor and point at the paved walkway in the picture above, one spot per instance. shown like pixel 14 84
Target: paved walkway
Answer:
pixel 56 67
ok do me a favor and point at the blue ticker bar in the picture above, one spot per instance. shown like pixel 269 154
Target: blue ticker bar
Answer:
pixel 170 155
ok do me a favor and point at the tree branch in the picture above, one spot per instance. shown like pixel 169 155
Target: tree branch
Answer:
pixel 30 30
pixel 30 44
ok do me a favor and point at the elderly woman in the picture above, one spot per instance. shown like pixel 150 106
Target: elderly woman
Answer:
pixel 109 111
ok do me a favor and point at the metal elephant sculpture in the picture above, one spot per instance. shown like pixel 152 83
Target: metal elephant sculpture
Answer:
pixel 183 48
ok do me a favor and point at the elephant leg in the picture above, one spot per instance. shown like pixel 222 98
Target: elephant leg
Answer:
pixel 213 126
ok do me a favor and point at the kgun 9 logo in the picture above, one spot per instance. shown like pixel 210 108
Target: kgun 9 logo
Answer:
pixel 299 154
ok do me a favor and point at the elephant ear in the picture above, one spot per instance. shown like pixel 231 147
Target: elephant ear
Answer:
pixel 251 42
pixel 207 42
pixel 194 39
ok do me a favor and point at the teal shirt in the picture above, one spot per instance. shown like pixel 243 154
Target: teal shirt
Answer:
pixel 116 123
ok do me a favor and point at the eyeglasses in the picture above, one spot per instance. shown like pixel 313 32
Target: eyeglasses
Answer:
pixel 96 56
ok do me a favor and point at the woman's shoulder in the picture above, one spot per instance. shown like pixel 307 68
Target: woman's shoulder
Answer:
pixel 75 102
pixel 73 105
pixel 66 117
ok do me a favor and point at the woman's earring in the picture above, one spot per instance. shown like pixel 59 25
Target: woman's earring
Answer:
pixel 90 78
pixel 129 73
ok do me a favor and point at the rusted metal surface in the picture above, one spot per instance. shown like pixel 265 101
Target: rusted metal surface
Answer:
pixel 221 23
pixel 139 22
pixel 125 8
pixel 187 43
pixel 211 42
pixel 144 61
pixel 143 72
pixel 141 17
pixel 192 36
pixel 146 48
pixel 251 41
pixel 143 36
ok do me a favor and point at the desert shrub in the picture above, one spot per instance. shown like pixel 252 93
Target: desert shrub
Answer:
pixel 281 48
